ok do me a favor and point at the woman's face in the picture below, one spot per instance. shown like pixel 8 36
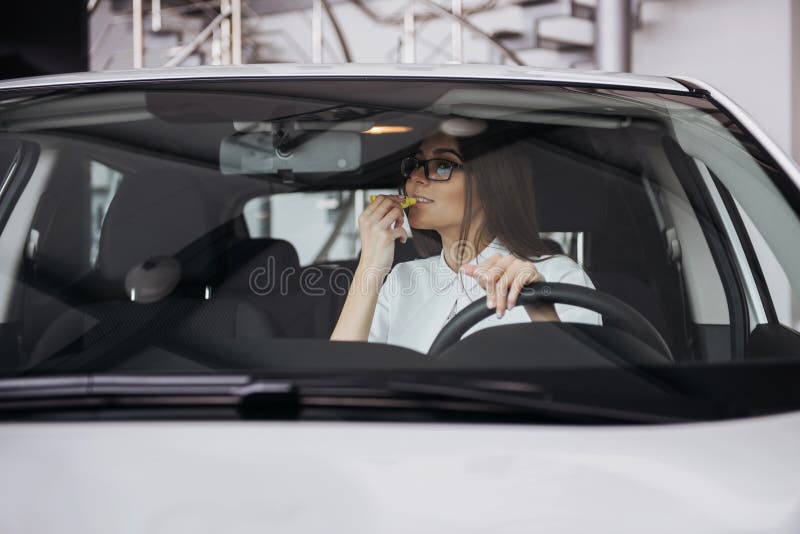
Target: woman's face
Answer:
pixel 446 209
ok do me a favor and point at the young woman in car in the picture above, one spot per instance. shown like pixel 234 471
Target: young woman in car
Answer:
pixel 475 201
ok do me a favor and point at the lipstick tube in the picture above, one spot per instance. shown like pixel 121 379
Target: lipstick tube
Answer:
pixel 406 202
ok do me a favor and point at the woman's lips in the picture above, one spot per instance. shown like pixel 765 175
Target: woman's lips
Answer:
pixel 422 200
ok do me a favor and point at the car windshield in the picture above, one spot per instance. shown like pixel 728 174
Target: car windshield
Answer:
pixel 210 226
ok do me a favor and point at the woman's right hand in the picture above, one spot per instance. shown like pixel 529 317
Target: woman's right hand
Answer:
pixel 377 252
pixel 377 234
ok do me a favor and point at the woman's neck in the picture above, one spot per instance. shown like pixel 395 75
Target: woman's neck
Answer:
pixel 457 253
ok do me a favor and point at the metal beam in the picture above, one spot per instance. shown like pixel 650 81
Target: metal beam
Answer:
pixel 613 35
pixel 236 32
pixel 138 35
pixel 457 32
pixel 316 32
pixel 155 15
pixel 409 35
pixel 225 33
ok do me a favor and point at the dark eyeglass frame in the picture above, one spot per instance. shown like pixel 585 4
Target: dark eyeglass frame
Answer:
pixel 417 163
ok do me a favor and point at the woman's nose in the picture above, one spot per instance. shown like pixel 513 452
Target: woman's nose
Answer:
pixel 418 175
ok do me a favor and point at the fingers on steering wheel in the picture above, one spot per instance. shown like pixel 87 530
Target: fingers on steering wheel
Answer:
pixel 503 277
pixel 526 274
pixel 487 275
pixel 510 266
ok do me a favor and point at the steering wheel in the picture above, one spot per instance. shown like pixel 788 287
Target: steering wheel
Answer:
pixel 611 308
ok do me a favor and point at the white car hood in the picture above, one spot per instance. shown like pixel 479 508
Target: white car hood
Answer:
pixel 269 477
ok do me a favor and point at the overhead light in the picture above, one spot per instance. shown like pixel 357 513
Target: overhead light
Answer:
pixel 461 127
pixel 380 130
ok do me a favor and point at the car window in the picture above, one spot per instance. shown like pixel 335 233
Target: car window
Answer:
pixel 782 292
pixel 172 211
pixel 326 215
pixel 275 217
pixel 104 182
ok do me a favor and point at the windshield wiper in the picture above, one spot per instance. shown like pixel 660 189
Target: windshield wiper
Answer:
pixel 40 395
pixel 375 398
pixel 541 405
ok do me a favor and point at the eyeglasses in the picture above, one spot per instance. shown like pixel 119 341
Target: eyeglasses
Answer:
pixel 435 169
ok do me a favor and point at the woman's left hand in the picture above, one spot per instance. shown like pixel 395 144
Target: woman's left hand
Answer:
pixel 503 276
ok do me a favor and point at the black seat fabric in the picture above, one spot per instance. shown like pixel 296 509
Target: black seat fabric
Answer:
pixel 260 262
pixel 267 274
pixel 553 246
pixel 154 216
pixel 624 251
pixel 106 326
pixel 404 251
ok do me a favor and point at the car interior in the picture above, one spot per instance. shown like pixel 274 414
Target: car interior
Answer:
pixel 170 255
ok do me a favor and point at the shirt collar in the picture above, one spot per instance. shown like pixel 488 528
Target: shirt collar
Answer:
pixel 491 249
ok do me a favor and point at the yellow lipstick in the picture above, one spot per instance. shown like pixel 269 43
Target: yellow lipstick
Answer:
pixel 406 202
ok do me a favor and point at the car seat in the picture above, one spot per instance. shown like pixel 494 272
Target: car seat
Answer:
pixel 624 251
pixel 154 217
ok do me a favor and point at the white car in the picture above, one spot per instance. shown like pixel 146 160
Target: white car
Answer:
pixel 176 246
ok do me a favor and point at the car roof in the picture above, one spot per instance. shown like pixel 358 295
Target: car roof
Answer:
pixel 278 70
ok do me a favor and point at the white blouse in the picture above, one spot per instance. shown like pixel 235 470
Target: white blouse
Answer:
pixel 419 297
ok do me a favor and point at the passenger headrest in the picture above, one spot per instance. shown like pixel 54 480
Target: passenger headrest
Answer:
pixel 51 246
pixel 571 195
pixel 152 216
pixel 268 260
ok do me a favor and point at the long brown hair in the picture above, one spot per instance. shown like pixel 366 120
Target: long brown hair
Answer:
pixel 498 171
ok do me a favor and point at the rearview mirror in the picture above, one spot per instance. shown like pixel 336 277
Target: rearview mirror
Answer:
pixel 322 152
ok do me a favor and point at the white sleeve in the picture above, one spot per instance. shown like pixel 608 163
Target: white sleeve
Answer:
pixel 575 314
pixel 379 329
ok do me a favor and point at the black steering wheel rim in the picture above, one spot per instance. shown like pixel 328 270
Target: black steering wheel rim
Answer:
pixel 606 305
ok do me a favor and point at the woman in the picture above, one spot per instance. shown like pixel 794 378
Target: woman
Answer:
pixel 475 201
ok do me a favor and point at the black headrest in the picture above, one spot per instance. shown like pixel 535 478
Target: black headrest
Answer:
pixel 151 216
pixel 53 247
pixel 260 261
pixel 571 195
